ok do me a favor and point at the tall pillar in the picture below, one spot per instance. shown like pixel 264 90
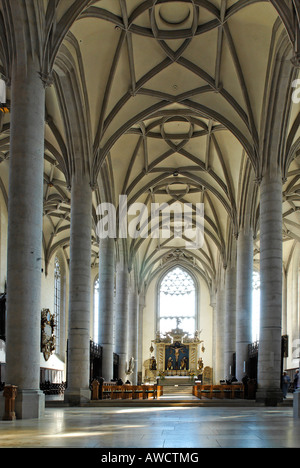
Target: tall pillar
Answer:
pixel 219 314
pixel 295 297
pixel 106 304
pixel 24 255
pixel 142 305
pixel 220 374
pixel 121 317
pixel 78 366
pixel 269 354
pixel 244 300
pixel 284 302
pixel 133 337
pixel 230 318
pixel 213 304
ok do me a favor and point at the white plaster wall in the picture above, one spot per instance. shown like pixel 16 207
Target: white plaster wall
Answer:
pixel 293 361
pixel 57 362
pixel 3 243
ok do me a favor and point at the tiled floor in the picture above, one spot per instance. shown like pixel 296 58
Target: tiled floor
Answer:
pixel 156 427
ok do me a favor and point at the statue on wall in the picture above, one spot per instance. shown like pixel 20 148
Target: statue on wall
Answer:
pixel 130 367
pixel 153 365
pixel 200 365
pixel 47 333
pixel 170 363
pixel 183 363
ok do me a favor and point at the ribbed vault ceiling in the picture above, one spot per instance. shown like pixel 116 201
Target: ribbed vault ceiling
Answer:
pixel 167 101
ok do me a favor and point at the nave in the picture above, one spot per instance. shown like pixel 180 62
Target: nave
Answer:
pixel 185 109
pixel 148 426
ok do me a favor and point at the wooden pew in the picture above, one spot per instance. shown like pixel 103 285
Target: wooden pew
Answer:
pixel 149 392
pixel 106 391
pixel 138 392
pixel 219 391
pixel 117 392
pixel 128 392
pixel 227 391
pixel 206 391
pixel 159 390
pixel 238 390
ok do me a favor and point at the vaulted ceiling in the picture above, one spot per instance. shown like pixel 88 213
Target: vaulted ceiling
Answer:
pixel 168 101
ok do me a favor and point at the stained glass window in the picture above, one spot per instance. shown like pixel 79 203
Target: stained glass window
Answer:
pixel 177 302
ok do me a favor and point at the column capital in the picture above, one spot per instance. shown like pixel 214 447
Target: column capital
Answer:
pixel 296 60
pixel 47 79
pixel 258 180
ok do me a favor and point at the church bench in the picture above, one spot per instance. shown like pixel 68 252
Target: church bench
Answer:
pixel 219 391
pixel 227 391
pixel 149 392
pixel 128 392
pixel 117 392
pixel 238 390
pixel 138 393
pixel 106 391
pixel 206 391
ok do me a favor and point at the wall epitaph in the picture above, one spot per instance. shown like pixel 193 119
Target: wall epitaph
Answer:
pixel 47 333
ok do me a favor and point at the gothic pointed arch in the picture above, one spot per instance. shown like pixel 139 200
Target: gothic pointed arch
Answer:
pixel 177 300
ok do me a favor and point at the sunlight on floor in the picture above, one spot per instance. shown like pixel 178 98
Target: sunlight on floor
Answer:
pixel 77 434
pixel 154 409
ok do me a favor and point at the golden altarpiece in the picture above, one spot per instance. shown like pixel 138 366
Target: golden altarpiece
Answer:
pixel 176 354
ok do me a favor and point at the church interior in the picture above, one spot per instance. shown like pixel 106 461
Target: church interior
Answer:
pixel 149 222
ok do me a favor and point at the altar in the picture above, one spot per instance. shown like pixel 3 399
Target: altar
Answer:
pixel 177 354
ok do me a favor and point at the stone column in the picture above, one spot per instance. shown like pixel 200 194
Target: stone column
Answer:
pixel 219 316
pixel 295 298
pixel 284 302
pixel 244 300
pixel 24 255
pixel 213 304
pixel 269 354
pixel 106 304
pixel 133 329
pixel 230 318
pixel 121 318
pixel 142 305
pixel 78 366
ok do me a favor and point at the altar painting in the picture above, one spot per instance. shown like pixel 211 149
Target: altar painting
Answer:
pixel 177 357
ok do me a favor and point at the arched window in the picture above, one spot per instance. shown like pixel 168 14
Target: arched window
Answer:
pixel 57 303
pixel 96 310
pixel 177 302
pixel 255 306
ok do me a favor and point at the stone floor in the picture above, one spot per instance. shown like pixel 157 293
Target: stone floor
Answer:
pixel 148 426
